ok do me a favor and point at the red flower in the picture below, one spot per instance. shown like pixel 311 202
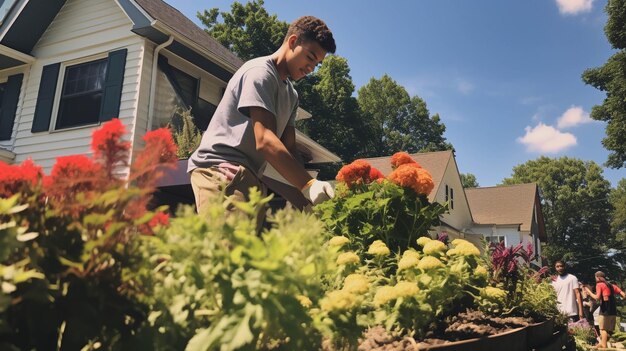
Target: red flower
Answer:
pixel 71 174
pixel 160 218
pixel 400 158
pixel 18 178
pixel 412 175
pixel 358 172
pixel 161 139
pixel 108 147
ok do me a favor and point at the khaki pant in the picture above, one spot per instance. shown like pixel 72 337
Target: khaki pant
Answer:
pixel 208 182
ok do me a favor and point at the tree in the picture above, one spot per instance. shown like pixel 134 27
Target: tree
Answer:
pixel 398 121
pixel 327 95
pixel 618 218
pixel 611 78
pixel 248 30
pixel 576 212
pixel 469 180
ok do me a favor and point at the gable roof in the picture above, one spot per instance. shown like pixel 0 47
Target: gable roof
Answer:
pixel 161 11
pixel 434 162
pixel 511 204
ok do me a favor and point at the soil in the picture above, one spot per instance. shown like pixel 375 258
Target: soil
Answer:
pixel 466 325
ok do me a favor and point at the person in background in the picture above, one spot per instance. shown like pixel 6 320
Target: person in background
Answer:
pixel 567 292
pixel 605 294
pixel 254 123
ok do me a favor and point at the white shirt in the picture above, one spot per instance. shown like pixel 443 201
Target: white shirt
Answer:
pixel 565 294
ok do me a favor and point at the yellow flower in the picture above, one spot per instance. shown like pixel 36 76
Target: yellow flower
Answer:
pixel 356 283
pixel 468 250
pixel 384 294
pixel 457 242
pixel 304 301
pixel 409 259
pixel 378 248
pixel 481 271
pixel 406 289
pixel 493 293
pixel 429 262
pixel 338 241
pixel 348 258
pixel 434 247
pixel 338 300
pixel 423 240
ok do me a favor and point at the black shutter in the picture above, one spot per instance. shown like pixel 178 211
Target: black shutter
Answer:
pixel 113 85
pixel 45 99
pixel 9 105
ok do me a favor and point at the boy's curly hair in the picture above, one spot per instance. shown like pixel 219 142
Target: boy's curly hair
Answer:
pixel 310 28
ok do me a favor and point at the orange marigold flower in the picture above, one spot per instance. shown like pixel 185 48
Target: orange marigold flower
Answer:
pixel 400 158
pixel 414 177
pixel 357 172
pixel 14 178
pixel 375 174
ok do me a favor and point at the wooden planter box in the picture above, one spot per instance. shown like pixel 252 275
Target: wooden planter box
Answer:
pixel 539 334
pixel 514 340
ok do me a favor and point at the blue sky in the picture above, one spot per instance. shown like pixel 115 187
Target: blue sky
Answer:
pixel 504 76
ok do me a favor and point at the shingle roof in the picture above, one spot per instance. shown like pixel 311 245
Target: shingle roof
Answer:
pixel 509 204
pixel 174 19
pixel 434 162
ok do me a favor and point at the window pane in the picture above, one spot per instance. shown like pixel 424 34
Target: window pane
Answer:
pixel 79 110
pixel 81 95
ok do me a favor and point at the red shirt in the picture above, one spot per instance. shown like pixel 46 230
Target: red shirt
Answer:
pixel 603 290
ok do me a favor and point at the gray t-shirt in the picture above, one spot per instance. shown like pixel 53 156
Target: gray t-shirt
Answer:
pixel 230 135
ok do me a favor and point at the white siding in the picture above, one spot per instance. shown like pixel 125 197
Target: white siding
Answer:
pixel 82 29
pixel 459 217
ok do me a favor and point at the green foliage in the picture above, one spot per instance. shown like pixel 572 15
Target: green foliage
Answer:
pixel 186 135
pixel 380 211
pixel 399 121
pixel 327 94
pixel 576 212
pixel 219 285
pixel 610 79
pixel 248 30
pixel 618 217
pixel 469 180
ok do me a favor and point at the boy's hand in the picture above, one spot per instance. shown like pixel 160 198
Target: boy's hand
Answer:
pixel 318 191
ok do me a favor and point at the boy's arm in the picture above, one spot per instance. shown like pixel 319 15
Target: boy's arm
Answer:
pixel 273 149
pixel 289 140
pixel 591 294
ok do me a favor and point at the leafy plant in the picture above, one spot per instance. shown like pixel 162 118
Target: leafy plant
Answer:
pixel 369 207
pixel 186 135
pixel 71 239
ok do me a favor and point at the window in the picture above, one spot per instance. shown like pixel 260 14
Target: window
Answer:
pixel 81 94
pixel 496 239
pixel 3 87
pixel 450 196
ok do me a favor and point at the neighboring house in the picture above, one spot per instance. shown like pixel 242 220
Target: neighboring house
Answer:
pixel 509 213
pixel 68 66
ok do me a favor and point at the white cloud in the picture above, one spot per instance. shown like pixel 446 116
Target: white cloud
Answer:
pixel 546 139
pixel 573 7
pixel 573 117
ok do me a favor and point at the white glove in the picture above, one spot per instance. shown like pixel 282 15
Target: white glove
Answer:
pixel 318 191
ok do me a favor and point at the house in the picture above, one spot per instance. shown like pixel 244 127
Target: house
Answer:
pixel 511 214
pixel 66 66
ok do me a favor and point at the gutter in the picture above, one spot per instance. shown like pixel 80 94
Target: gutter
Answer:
pixel 155 62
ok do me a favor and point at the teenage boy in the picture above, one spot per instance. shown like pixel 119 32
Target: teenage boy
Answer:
pixel 605 294
pixel 254 121
pixel 567 292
